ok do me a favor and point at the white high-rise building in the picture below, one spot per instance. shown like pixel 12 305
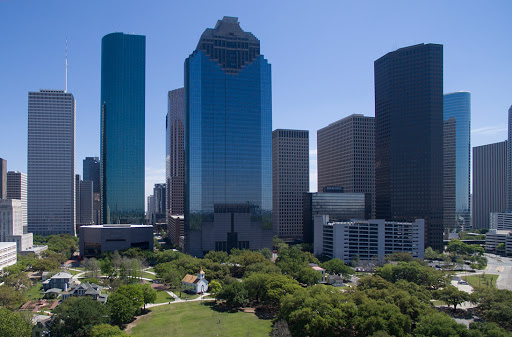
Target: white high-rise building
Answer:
pixel 17 189
pixel 51 162
pixel 11 225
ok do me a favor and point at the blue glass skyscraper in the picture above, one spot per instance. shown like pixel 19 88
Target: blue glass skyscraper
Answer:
pixel 228 142
pixel 457 106
pixel 123 64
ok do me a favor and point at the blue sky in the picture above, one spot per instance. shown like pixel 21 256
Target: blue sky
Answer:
pixel 322 55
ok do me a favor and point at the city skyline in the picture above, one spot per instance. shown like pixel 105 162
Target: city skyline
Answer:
pixel 343 80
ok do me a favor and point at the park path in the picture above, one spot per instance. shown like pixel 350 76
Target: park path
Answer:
pixel 179 300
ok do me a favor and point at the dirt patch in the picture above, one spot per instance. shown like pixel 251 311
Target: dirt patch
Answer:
pixel 136 321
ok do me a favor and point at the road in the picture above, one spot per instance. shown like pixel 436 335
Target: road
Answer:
pixel 501 266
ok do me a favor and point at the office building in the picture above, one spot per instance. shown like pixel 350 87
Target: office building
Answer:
pixel 228 142
pixel 98 239
pixel 3 178
pixel 11 225
pixel 91 172
pixel 290 180
pixel 51 162
pixel 8 256
pixel 346 155
pixel 509 161
pixel 409 138
pixel 457 176
pixel 337 205
pixel 369 240
pixel 123 64
pixel 17 189
pixel 489 182
pixel 495 237
pixel 501 221
pixel 175 163
pixel 84 202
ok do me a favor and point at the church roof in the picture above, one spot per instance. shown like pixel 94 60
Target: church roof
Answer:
pixel 190 279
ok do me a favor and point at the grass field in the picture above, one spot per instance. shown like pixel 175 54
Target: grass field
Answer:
pixel 486 281
pixel 34 293
pixel 148 275
pixel 163 296
pixel 194 319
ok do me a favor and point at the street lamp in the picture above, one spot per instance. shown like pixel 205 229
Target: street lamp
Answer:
pixel 202 293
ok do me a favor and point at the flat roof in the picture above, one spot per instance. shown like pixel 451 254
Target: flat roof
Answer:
pixel 7 244
pixel 117 226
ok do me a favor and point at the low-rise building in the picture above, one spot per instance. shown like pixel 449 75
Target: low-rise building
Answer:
pixel 8 255
pixel 368 239
pixel 495 237
pixel 60 281
pixel 97 239
pixel 195 284
pixel 85 289
pixel 335 280
pixel 501 221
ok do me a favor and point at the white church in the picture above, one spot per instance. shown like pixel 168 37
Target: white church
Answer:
pixel 195 284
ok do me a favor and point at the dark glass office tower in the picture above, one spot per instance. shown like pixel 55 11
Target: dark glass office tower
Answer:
pixel 409 138
pixel 228 142
pixel 457 110
pixel 123 63
pixel 91 172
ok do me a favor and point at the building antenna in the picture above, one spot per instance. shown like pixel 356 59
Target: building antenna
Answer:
pixel 66 67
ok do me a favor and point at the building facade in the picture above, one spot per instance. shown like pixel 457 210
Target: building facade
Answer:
pixel 409 138
pixel 175 163
pixel 449 175
pixel 228 142
pixel 457 109
pixel 338 206
pixel 346 155
pixel 17 189
pixel 501 221
pixel 123 67
pixel 3 178
pixel 509 161
pixel 11 225
pixel 370 239
pixel 290 180
pixel 97 239
pixel 489 182
pixel 8 255
pixel 51 162
pixel 91 172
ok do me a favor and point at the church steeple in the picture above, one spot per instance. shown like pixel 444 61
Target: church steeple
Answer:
pixel 200 275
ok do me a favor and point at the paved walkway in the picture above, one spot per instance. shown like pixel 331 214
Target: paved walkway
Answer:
pixel 179 300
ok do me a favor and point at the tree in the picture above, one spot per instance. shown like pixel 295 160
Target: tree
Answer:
pixel 309 276
pixel 11 298
pixel 134 293
pixel 217 256
pixel 148 293
pixel 214 287
pixel 91 266
pixel 430 254
pixel 234 294
pixel 452 296
pixel 172 278
pixel 76 316
pixel 400 256
pixel 440 325
pixel 106 330
pixel 14 324
pixel 121 308
pixel 18 281
pixel 487 329
pixel 337 266
pixel 355 261
pixel 46 264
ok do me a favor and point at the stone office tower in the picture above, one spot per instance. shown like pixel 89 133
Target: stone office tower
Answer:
pixel 51 162
pixel 123 68
pixel 346 155
pixel 409 138
pixel 228 142
pixel 290 180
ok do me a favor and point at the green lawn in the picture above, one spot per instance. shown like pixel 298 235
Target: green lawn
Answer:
pixel 148 275
pixel 73 272
pixel 485 281
pixel 163 296
pixel 184 295
pixel 193 319
pixel 34 293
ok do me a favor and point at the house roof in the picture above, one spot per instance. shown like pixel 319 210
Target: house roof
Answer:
pixel 335 278
pixel 62 274
pixel 53 290
pixel 318 268
pixel 190 279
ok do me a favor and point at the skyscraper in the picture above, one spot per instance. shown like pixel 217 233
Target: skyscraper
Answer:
pixel 489 182
pixel 51 162
pixel 175 163
pixel 409 138
pixel 91 172
pixel 346 155
pixel 3 178
pixel 457 107
pixel 290 180
pixel 84 202
pixel 17 189
pixel 123 63
pixel 228 142
pixel 509 161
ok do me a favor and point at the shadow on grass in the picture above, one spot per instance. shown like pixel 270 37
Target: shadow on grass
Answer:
pixel 264 313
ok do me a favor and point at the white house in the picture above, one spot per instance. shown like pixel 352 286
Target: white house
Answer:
pixel 196 284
